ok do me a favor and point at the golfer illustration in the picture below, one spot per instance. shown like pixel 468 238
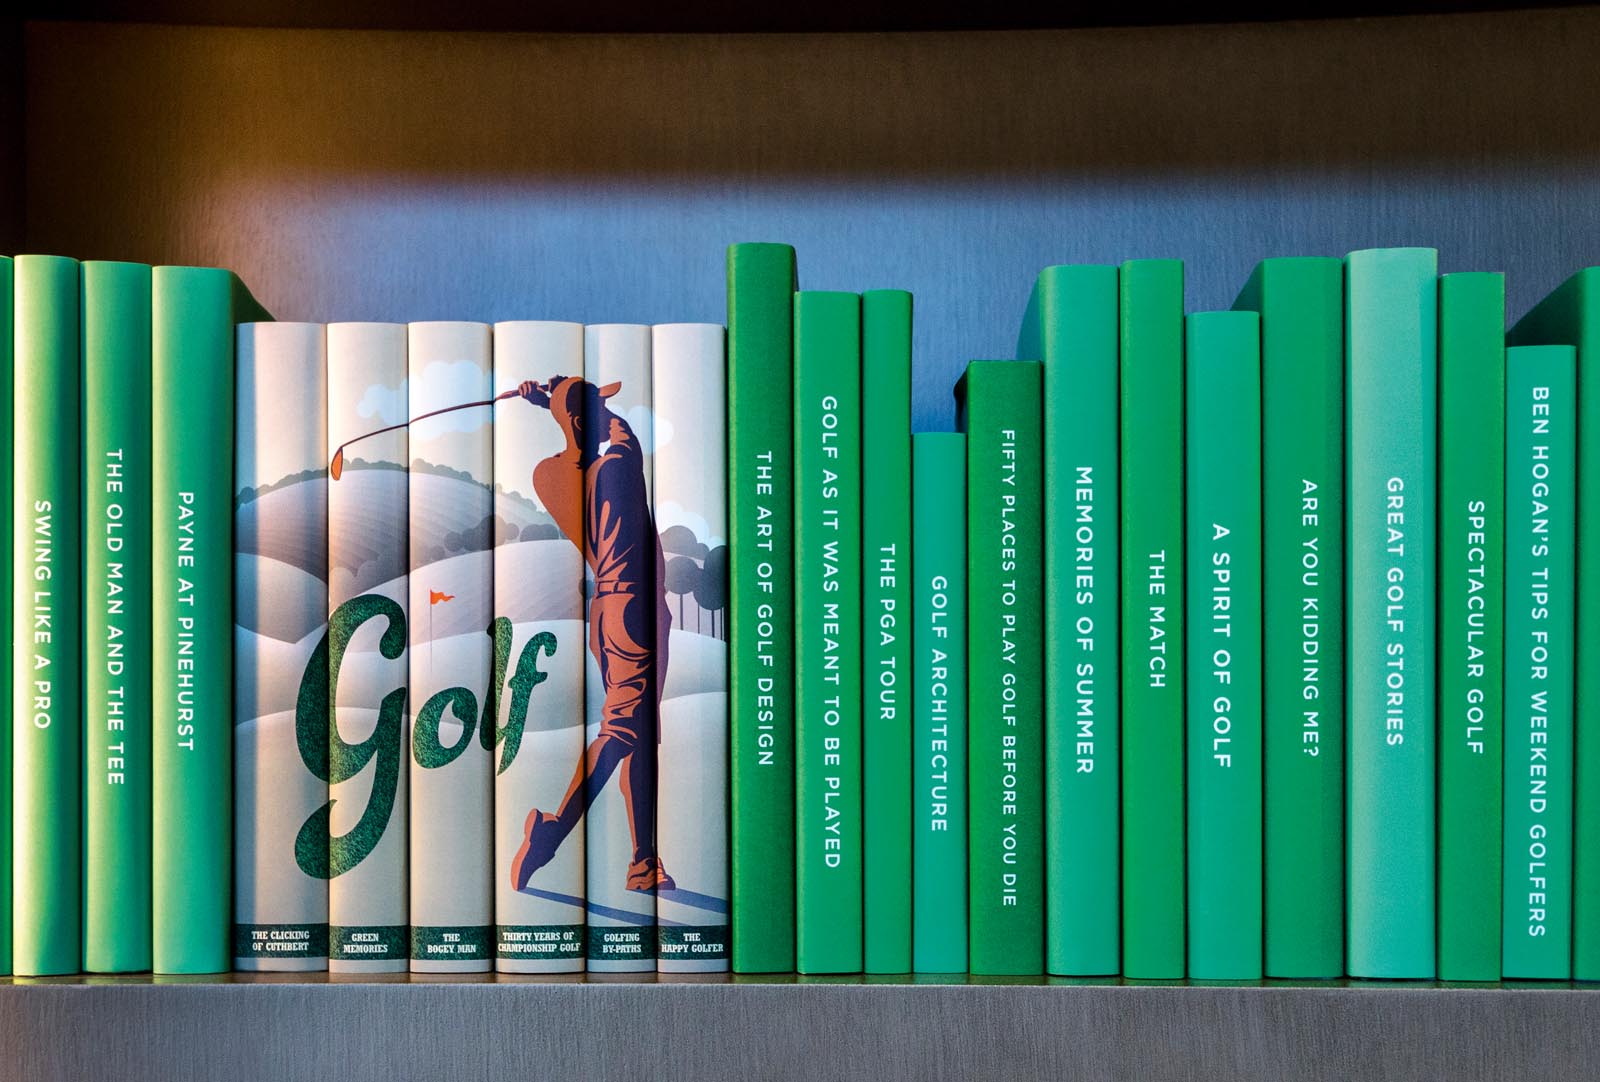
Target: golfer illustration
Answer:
pixel 628 618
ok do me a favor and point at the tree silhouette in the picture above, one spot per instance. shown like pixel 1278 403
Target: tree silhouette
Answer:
pixel 683 576
pixel 711 592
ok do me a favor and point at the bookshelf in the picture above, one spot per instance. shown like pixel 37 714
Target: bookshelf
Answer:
pixel 371 173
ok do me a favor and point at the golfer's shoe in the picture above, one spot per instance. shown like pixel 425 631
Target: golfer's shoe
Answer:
pixel 538 846
pixel 648 874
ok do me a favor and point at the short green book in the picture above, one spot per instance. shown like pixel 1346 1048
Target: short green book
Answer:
pixel 998 406
pixel 1151 322
pixel 1541 524
pixel 193 314
pixel 1301 304
pixel 1391 364
pixel 761 285
pixel 8 516
pixel 47 648
pixel 116 617
pixel 1472 615
pixel 886 628
pixel 1071 326
pixel 827 631
pixel 939 678
pixel 1571 316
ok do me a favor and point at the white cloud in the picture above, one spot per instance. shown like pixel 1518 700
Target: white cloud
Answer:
pixel 450 383
pixel 670 514
pixel 642 421
pixel 383 404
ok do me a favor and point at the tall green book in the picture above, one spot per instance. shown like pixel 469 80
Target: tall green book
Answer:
pixel 1301 304
pixel 1222 482
pixel 939 679
pixel 761 285
pixel 1571 316
pixel 1151 335
pixel 827 631
pixel 1472 614
pixel 1541 524
pixel 46 620
pixel 886 628
pixel 1071 325
pixel 1391 332
pixel 9 512
pixel 116 617
pixel 193 313
pixel 998 406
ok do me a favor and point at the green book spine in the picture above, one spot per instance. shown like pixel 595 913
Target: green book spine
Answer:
pixel 1571 316
pixel 1472 614
pixel 939 676
pixel 116 617
pixel 1391 330
pixel 1071 325
pixel 999 406
pixel 761 285
pixel 1301 304
pixel 1151 321
pixel 9 511
pixel 47 650
pixel 827 631
pixel 193 313
pixel 886 632
pixel 1224 740
pixel 1541 524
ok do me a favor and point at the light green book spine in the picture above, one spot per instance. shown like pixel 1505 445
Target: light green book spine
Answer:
pixel 827 634
pixel 1472 614
pixel 116 617
pixel 939 678
pixel 280 611
pixel 11 516
pixel 761 285
pixel 1571 316
pixel 886 631
pixel 998 404
pixel 193 314
pixel 1541 525
pixel 1391 331
pixel 1301 304
pixel 1224 740
pixel 1151 321
pixel 47 648
pixel 1071 325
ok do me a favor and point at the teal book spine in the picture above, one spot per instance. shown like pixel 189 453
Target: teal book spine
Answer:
pixel 194 311
pixel 1571 316
pixel 47 612
pixel 998 405
pixel 116 617
pixel 11 516
pixel 1472 619
pixel 886 629
pixel 1222 480
pixel 1391 332
pixel 1301 305
pixel 761 285
pixel 939 679
pixel 827 632
pixel 1541 527
pixel 1151 337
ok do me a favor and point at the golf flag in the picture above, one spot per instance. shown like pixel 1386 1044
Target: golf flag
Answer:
pixel 434 597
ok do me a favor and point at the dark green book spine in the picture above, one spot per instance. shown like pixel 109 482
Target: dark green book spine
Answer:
pixel 1541 524
pixel 1391 332
pixel 827 631
pixel 1301 304
pixel 1472 532
pixel 1571 316
pixel 999 403
pixel 939 667
pixel 193 313
pixel 761 285
pixel 1071 325
pixel 9 510
pixel 1224 740
pixel 886 630
pixel 47 648
pixel 116 626
pixel 1151 321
